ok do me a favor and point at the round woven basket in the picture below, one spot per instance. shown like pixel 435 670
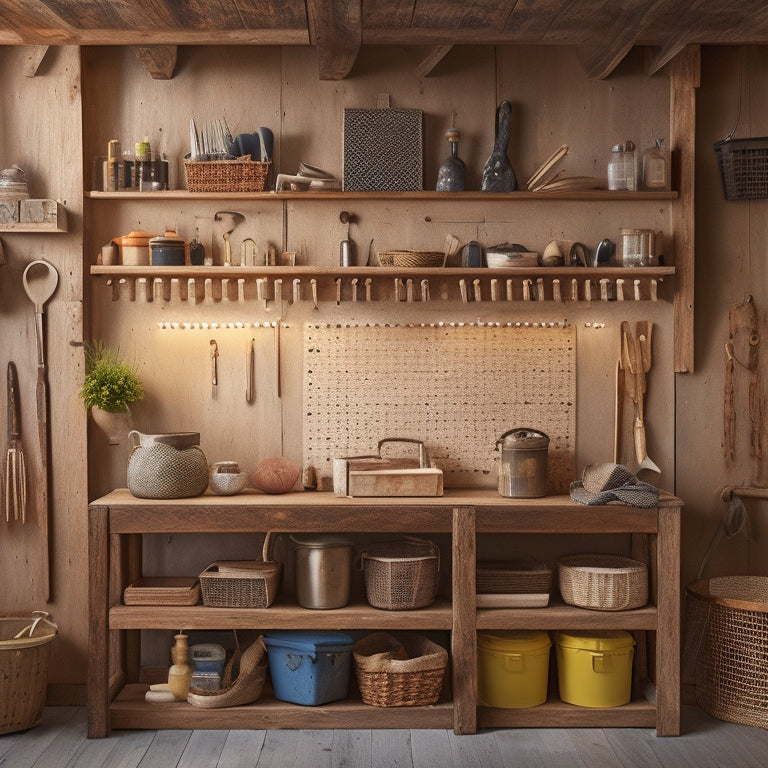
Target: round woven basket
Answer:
pixel 731 625
pixel 603 582
pixel 404 670
pixel 411 258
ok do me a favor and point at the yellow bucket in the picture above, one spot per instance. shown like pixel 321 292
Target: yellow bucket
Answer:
pixel 594 669
pixel 513 668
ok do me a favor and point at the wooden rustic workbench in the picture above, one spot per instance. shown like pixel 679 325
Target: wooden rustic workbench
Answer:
pixel 118 520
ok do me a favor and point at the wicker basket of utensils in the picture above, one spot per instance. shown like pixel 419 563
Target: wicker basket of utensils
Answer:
pixel 405 259
pixel 227 175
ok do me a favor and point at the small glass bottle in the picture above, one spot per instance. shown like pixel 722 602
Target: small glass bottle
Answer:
pixel 656 166
pixel 143 165
pixel 180 672
pixel 622 167
pixel 114 179
pixel 450 177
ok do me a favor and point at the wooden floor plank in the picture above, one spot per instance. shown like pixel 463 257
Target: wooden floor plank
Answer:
pixel 123 749
pixel 241 749
pixel 352 749
pixel 479 751
pixel 619 748
pixel 391 749
pixel 278 750
pixel 33 744
pixel 314 748
pixel 203 749
pixel 430 749
pixel 165 750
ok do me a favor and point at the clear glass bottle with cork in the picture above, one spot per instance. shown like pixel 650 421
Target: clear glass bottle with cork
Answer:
pixel 655 166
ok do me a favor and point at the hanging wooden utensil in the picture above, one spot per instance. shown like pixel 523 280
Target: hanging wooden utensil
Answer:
pixel 40 280
pixel 15 471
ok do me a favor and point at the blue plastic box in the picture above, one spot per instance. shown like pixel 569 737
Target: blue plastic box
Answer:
pixel 309 667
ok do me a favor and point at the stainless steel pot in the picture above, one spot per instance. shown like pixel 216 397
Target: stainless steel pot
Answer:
pixel 323 571
pixel 523 466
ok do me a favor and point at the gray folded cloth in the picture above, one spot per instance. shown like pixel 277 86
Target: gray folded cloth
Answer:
pixel 605 483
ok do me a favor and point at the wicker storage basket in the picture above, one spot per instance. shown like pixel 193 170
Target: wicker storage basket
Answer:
pixel 404 670
pixel 603 582
pixel 743 167
pixel 242 583
pixel 163 591
pixel 25 651
pixel 732 661
pixel 513 578
pixel 227 175
pixel 401 575
pixel 411 258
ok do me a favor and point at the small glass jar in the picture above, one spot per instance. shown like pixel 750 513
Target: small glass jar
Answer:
pixel 622 168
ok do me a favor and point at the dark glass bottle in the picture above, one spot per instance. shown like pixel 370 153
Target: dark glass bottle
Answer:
pixel 450 177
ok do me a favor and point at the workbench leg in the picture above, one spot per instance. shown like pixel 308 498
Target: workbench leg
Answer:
pixel 668 629
pixel 98 622
pixel 464 633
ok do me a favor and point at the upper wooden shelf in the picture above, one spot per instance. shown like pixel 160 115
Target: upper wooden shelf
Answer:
pixel 584 195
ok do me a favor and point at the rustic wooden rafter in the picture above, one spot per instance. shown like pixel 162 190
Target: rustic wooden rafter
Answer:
pixel 158 60
pixel 335 28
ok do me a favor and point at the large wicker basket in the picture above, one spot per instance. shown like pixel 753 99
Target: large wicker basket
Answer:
pixel 242 583
pixel 732 662
pixel 227 175
pixel 404 670
pixel 603 582
pixel 743 167
pixel 401 575
pixel 25 650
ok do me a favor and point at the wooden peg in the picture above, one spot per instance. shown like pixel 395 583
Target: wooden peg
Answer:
pixel 603 289
pixel 313 284
pixel 368 282
pixel 409 290
pixel 509 289
pixel 574 289
pixel 296 290
pixel 494 289
pixel 241 289
pixel 478 294
pixel 587 290
pixel 540 288
pixel 338 291
pixel 208 289
pixel 527 289
pixel 556 289
pixel 463 289
pixel 620 289
pixel 637 290
pixel 425 289
pixel 654 289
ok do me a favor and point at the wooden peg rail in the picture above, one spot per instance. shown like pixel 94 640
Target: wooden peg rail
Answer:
pixel 287 286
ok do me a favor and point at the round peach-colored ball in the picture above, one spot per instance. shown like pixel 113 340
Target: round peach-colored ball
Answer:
pixel 276 475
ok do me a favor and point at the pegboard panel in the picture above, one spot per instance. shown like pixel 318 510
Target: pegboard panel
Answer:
pixel 457 388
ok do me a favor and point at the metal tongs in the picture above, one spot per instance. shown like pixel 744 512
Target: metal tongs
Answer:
pixel 636 362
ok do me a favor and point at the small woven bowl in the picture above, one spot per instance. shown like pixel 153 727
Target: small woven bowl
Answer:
pixel 411 258
pixel 226 479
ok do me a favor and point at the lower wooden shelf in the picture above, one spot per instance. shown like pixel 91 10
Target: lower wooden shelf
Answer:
pixel 639 713
pixel 130 710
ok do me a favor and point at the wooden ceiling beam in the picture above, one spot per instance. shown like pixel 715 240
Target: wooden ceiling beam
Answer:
pixel 336 29
pixel 158 60
pixel 435 55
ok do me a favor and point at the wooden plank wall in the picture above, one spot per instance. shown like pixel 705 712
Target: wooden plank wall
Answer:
pixel 553 104
pixel 40 130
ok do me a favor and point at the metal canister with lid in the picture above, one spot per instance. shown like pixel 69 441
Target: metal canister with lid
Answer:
pixel 523 465
pixel 323 571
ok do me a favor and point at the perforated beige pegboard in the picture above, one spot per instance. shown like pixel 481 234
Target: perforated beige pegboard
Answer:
pixel 458 388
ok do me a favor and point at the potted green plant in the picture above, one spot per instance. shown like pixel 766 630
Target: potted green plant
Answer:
pixel 110 385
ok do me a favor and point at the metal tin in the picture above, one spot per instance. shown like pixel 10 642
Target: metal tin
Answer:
pixel 347 254
pixel 523 466
pixel 166 251
pixel 323 571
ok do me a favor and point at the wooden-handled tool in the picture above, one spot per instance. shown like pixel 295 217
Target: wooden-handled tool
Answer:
pixel 15 471
pixel 40 280
pixel 636 362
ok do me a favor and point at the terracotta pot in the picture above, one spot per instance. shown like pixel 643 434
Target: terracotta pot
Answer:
pixel 115 426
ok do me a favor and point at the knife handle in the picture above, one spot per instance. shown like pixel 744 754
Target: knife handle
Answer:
pixel 13 401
